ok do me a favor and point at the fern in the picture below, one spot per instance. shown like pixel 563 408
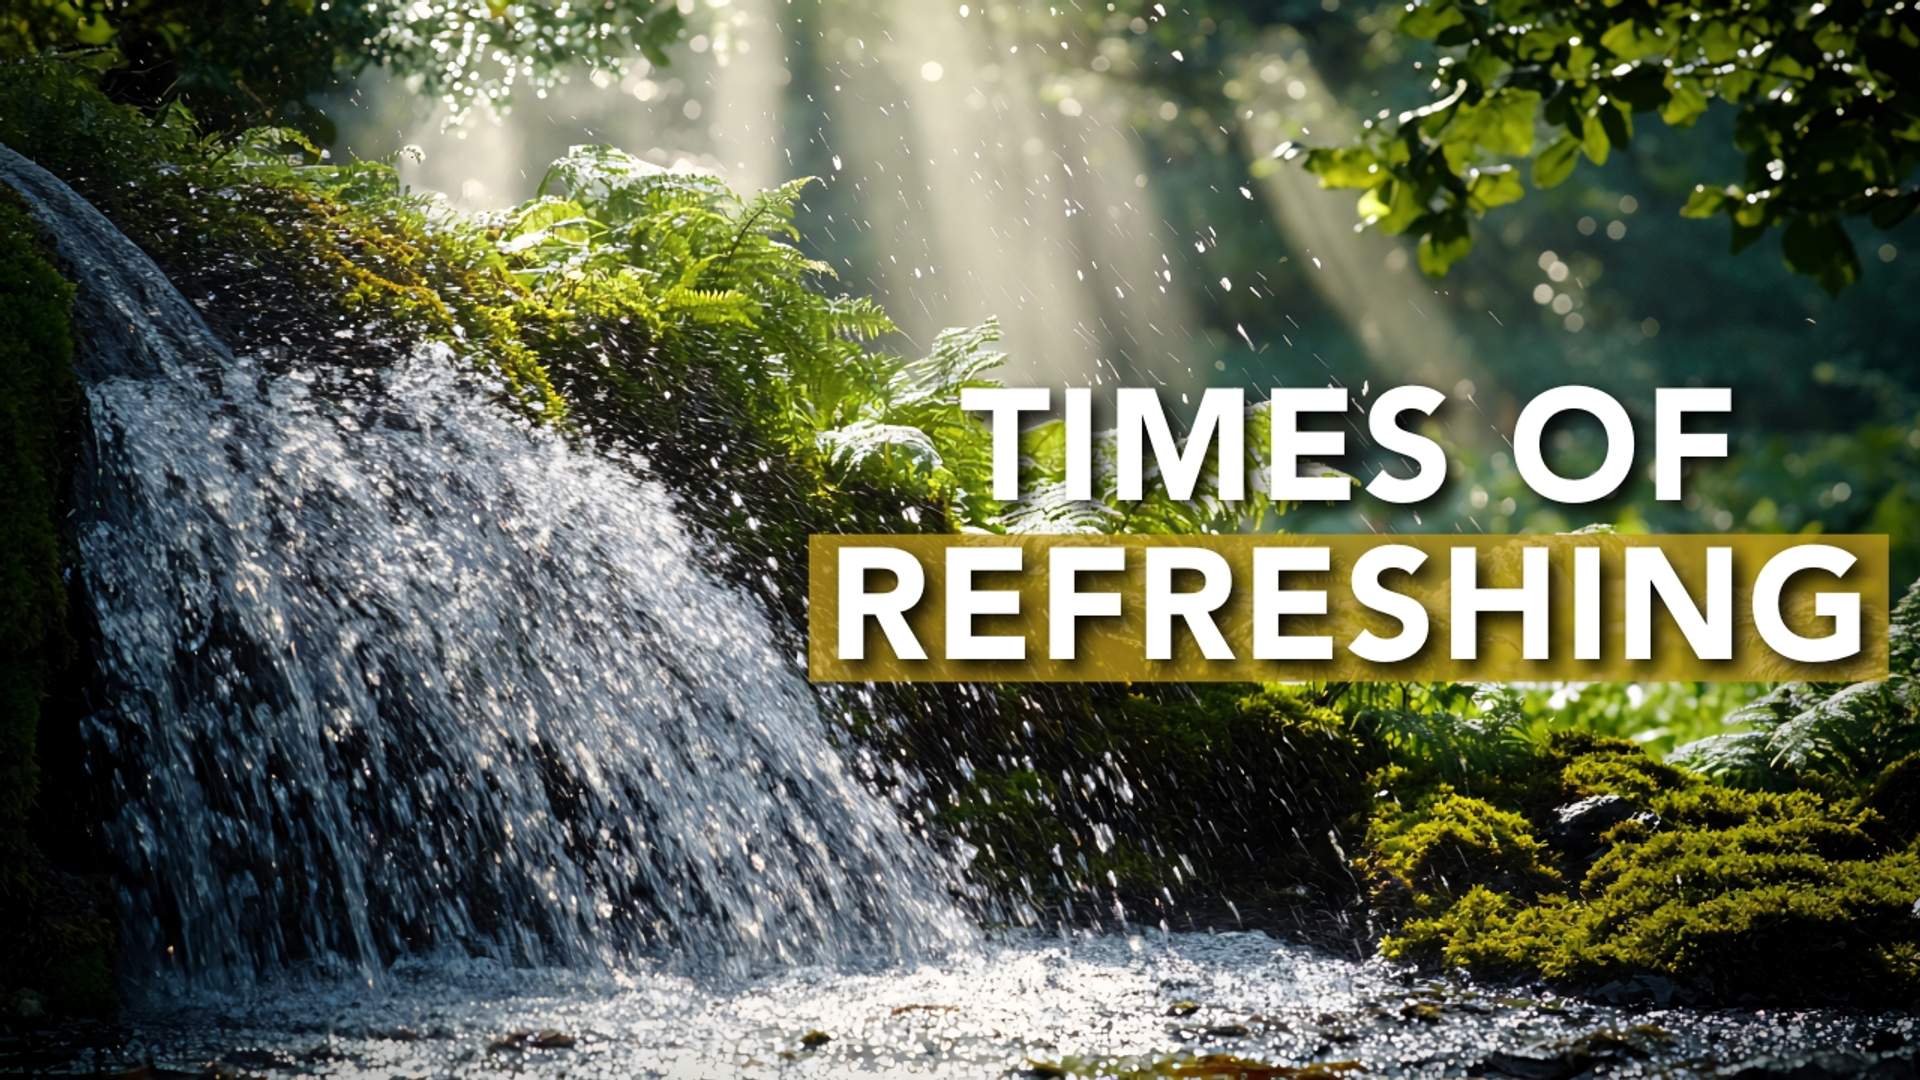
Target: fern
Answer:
pixel 719 285
pixel 1457 741
pixel 1844 736
pixel 893 447
pixel 1048 509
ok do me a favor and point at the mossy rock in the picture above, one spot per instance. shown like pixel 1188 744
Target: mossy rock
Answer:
pixel 56 937
pixel 1726 894
pixel 1452 844
pixel 1586 765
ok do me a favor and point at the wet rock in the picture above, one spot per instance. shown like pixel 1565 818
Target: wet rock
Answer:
pixel 1579 825
pixel 1828 1065
pixel 1885 1040
pixel 1426 1012
pixel 248 1060
pixel 1603 1051
pixel 902 1010
pixel 1229 1031
pixel 546 1039
pixel 814 1040
pixel 1183 1007
pixel 1640 989
pixel 1531 1066
pixel 28 1005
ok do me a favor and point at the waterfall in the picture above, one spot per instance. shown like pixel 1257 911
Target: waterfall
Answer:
pixel 390 671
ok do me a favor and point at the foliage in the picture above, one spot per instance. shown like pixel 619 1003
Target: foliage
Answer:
pixel 711 279
pixel 652 310
pixel 241 63
pixel 1823 96
pixel 1656 716
pixel 1838 738
pixel 1452 733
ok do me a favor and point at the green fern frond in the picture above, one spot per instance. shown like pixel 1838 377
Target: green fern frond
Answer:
pixel 1842 735
pixel 859 318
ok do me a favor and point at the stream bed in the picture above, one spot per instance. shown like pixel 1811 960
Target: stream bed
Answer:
pixel 1021 1005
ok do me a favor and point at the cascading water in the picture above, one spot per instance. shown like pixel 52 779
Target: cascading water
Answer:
pixel 391 671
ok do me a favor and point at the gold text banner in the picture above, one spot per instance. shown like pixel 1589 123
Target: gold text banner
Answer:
pixel 1763 608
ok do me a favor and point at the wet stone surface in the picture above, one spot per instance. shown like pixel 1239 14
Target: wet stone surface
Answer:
pixel 1023 1006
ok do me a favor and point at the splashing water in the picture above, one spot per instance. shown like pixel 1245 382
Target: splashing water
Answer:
pixel 393 672
pixel 1024 1006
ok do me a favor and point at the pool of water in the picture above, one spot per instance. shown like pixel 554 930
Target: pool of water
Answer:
pixel 1022 1005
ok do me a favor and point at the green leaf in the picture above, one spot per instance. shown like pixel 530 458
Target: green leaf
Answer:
pixel 1716 41
pixel 1643 88
pixel 1046 446
pixel 1446 243
pixel 1706 202
pixel 1344 167
pixel 1392 207
pixel 1618 125
pixel 1630 40
pixel 1495 187
pixel 1595 144
pixel 1500 123
pixel 1579 62
pixel 1430 20
pixel 1539 44
pixel 1685 103
pixel 1555 163
pixel 1735 84
pixel 1894 211
pixel 1820 248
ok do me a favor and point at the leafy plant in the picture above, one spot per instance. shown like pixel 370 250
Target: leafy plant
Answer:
pixel 717 281
pixel 1455 734
pixel 1841 737
pixel 1822 93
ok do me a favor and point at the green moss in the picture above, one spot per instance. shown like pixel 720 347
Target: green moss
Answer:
pixel 37 409
pixel 1728 893
pixel 53 937
pixel 1895 797
pixel 1451 844
pixel 1587 765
